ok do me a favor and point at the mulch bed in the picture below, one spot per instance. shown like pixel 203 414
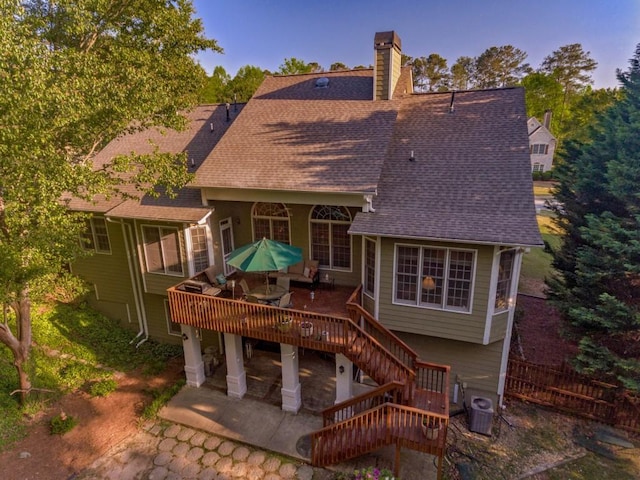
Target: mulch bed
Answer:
pixel 537 337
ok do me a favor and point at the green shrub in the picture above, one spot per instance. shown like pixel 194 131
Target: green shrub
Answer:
pixel 160 399
pixel 61 424
pixel 537 176
pixel 103 388
pixel 546 176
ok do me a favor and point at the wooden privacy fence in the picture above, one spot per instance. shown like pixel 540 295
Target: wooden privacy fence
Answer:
pixel 564 389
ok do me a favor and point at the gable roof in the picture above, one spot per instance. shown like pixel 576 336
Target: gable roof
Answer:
pixel 197 140
pixel 470 178
pixel 296 136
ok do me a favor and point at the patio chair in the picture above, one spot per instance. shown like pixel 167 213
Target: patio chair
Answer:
pixel 284 282
pixel 245 287
pixel 285 300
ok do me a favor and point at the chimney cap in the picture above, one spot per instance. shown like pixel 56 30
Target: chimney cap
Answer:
pixel 387 39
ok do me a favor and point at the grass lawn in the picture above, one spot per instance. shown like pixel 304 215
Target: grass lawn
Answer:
pixel 536 265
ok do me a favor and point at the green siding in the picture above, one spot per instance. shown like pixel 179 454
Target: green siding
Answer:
pixel 467 327
pixel 157 319
pixel 299 234
pixel 476 365
pixel 109 274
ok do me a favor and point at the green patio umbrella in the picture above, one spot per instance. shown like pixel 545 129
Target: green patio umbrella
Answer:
pixel 264 256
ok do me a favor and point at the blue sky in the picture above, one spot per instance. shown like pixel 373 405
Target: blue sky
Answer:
pixel 265 32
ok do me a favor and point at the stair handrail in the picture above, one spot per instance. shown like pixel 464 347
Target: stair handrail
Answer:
pixel 408 373
pixel 388 393
pixel 398 424
pixel 396 346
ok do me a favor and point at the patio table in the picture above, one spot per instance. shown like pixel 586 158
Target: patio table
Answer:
pixel 274 292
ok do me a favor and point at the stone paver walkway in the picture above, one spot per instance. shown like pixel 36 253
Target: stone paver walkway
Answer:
pixel 164 451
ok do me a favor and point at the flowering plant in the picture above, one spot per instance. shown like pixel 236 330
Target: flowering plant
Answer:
pixel 372 473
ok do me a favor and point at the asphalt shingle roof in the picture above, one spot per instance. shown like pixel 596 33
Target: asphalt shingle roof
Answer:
pixel 295 136
pixel 470 179
pixel 197 139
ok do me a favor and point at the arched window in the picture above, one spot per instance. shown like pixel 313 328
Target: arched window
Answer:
pixel 330 242
pixel 270 220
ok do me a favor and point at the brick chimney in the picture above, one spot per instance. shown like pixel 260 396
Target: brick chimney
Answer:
pixel 547 119
pixel 386 65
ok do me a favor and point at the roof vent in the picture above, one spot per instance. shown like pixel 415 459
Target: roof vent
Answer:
pixel 322 82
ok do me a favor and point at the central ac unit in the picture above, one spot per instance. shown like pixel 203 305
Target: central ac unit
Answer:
pixel 481 415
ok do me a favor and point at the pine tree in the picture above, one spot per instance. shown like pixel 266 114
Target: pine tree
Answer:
pixel 598 284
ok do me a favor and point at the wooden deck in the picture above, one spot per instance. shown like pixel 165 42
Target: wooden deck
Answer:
pixel 412 395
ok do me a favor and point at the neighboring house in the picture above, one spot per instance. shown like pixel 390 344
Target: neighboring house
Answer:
pixel 423 199
pixel 542 144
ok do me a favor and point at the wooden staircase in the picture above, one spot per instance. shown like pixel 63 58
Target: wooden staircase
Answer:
pixel 412 393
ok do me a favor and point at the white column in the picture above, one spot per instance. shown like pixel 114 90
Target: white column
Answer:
pixel 291 392
pixel 344 383
pixel 193 365
pixel 236 376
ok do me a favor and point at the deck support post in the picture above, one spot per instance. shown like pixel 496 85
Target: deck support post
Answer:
pixel 344 380
pixel 236 375
pixel 193 364
pixel 396 464
pixel 291 390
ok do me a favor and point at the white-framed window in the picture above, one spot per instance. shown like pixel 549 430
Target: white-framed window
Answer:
pixel 330 240
pixel 440 278
pixel 538 167
pixel 173 328
pixel 96 236
pixel 199 247
pixel 369 266
pixel 505 277
pixel 162 250
pixel 539 149
pixel 270 220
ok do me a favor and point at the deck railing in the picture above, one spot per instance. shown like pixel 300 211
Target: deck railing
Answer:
pixel 377 427
pixel 361 424
pixel 388 393
pixel 384 336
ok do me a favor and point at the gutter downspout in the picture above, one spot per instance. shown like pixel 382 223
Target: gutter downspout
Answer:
pixel 135 282
pixel 140 289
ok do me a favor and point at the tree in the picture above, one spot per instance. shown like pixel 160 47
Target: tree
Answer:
pixel 541 93
pixel 74 76
pixel 500 67
pixel 216 89
pixel 462 73
pixel 597 287
pixel 338 66
pixel 571 67
pixel 293 66
pixel 242 87
pixel 436 73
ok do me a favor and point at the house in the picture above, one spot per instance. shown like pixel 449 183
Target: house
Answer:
pixel 542 143
pixel 421 201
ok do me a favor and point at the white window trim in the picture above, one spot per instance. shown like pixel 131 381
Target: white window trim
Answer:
pixel 510 299
pixel 371 295
pixel 444 307
pixel 144 250
pixel 188 239
pixel 263 217
pixel 313 220
pixel 94 239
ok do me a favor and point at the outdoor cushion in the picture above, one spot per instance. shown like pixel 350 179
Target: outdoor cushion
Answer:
pixel 211 275
pixel 296 269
